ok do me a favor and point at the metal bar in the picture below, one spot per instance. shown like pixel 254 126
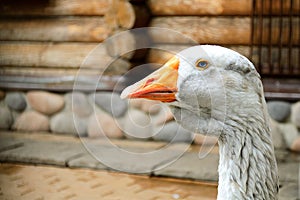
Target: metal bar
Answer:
pixel 253 12
pixel 290 42
pixel 270 39
pixel 280 36
pixel 298 40
pixel 260 43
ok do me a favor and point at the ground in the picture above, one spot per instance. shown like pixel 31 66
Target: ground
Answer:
pixel 48 166
pixel 48 182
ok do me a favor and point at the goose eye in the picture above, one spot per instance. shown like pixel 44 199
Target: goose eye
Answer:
pixel 201 64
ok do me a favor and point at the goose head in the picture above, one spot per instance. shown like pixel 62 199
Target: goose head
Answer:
pixel 204 85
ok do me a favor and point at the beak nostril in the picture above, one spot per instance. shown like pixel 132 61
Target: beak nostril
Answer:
pixel 149 81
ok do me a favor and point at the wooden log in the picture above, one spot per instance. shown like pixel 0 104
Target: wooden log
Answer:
pixel 85 83
pixel 121 44
pixel 53 7
pixel 83 29
pixel 217 7
pixel 62 55
pixel 44 54
pixel 285 89
pixel 120 14
pixel 79 29
pixel 204 29
pixel 223 30
pixel 123 14
pixel 162 53
pixel 54 72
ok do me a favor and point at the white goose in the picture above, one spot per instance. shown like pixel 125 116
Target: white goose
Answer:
pixel 216 91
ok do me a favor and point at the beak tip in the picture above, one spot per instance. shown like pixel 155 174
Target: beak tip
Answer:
pixel 124 94
pixel 128 91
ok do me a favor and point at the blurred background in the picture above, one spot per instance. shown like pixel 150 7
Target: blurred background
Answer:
pixel 44 45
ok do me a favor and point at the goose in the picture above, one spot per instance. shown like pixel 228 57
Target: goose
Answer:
pixel 216 91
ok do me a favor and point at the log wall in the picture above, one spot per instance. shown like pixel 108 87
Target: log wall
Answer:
pixel 48 40
pixel 53 37
pixel 268 33
pixel 62 29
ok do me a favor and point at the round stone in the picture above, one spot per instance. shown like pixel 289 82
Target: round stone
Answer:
pixel 31 121
pixel 205 140
pixel 289 132
pixel 5 116
pixel 151 107
pixel 279 110
pixel 172 132
pixel 45 102
pixel 135 103
pixel 78 103
pixel 148 106
pixel 15 101
pixel 289 190
pixel 137 125
pixel 165 115
pixel 295 116
pixel 102 124
pixel 15 114
pixel 110 103
pixel 277 135
pixel 68 123
pixel 296 145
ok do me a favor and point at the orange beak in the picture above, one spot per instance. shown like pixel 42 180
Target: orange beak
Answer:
pixel 161 85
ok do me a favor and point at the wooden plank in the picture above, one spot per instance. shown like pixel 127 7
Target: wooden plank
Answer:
pixel 281 89
pixel 78 29
pixel 46 71
pixel 222 30
pixel 217 7
pixel 85 83
pixel 60 55
pixel 69 55
pixel 53 7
